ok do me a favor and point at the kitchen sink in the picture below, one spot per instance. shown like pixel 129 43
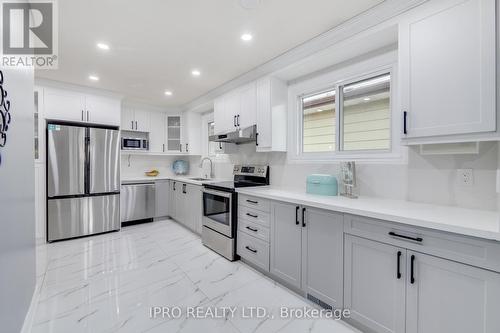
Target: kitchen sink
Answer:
pixel 199 179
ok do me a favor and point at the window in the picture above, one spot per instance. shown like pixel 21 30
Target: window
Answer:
pixel 366 120
pixel 318 122
pixel 352 116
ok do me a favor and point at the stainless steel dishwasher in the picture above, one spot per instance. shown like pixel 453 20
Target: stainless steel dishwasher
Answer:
pixel 138 201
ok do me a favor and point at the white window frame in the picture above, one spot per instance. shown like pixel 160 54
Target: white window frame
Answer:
pixel 386 63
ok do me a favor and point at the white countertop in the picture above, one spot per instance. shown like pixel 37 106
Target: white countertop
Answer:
pixel 184 179
pixel 469 222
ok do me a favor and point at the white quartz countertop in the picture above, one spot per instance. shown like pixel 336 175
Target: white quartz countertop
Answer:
pixel 469 222
pixel 184 179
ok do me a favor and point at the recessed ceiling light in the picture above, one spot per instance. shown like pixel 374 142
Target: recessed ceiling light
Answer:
pixel 94 77
pixel 246 37
pixel 195 72
pixel 103 46
pixel 366 99
pixel 168 93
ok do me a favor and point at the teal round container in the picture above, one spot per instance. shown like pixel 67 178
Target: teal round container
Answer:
pixel 322 185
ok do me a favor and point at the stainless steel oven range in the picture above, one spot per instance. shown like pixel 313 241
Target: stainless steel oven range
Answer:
pixel 220 204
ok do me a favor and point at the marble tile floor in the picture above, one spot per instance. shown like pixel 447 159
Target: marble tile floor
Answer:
pixel 108 283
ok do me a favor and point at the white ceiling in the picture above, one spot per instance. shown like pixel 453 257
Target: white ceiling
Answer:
pixel 156 43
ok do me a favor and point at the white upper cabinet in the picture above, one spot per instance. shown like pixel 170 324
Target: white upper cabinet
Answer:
pixel 448 76
pixel 271 117
pixel 220 115
pixel 192 136
pixel 174 133
pixel 142 120
pixel 247 115
pixel 157 132
pixel 133 119
pixel 103 110
pixel 70 105
pixel 64 105
pixel 262 103
pixel 127 119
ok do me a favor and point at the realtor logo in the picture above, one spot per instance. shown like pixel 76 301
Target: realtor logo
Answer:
pixel 29 35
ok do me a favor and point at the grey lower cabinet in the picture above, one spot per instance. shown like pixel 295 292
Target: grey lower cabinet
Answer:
pixel 194 207
pixel 286 239
pixel 162 188
pixel 393 289
pixel 186 205
pixel 172 196
pixel 374 287
pixel 307 251
pixel 322 255
pixel 446 296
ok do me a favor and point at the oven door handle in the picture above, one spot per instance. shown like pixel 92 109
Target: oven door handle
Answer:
pixel 220 193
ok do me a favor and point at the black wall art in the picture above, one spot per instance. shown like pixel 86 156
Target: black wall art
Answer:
pixel 5 116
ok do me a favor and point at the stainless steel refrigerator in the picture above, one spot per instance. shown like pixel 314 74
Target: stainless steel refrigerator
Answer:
pixel 83 181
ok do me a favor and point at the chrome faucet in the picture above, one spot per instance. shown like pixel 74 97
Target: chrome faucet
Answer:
pixel 211 166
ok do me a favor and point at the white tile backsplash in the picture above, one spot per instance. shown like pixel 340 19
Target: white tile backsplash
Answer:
pixel 428 179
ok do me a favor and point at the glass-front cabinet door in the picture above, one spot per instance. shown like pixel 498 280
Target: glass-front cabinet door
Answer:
pixel 174 133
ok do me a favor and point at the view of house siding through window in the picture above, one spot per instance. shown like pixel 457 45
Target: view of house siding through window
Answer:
pixel 366 114
pixel 318 112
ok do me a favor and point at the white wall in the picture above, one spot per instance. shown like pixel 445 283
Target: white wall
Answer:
pixel 17 203
pixel 429 179
pixel 139 164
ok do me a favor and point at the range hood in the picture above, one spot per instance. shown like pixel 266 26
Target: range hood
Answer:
pixel 245 135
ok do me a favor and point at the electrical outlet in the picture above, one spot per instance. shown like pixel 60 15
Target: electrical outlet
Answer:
pixel 465 177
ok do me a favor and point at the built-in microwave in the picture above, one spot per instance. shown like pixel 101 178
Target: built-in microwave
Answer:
pixel 135 144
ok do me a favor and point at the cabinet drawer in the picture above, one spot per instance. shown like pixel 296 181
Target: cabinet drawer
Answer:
pixel 254 215
pixel 465 249
pixel 253 229
pixel 254 250
pixel 254 202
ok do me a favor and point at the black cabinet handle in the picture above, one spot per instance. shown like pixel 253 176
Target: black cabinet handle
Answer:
pixel 297 215
pixel 250 249
pixel 184 188
pixel 131 122
pixel 251 215
pixel 416 239
pixel 234 121
pixel 412 269
pixel 252 229
pixel 174 185
pixel 180 147
pixel 88 115
pixel 405 116
pixel 303 217
pixel 252 201
pixel 256 139
pixel 82 115
pixel 136 125
pixel 187 148
pixel 238 120
pixel 398 272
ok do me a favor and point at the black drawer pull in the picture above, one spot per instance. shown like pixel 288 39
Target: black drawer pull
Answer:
pixel 251 215
pixel 405 122
pixel 416 239
pixel 252 229
pixel 398 272
pixel 297 215
pixel 252 201
pixel 250 249
pixel 412 270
